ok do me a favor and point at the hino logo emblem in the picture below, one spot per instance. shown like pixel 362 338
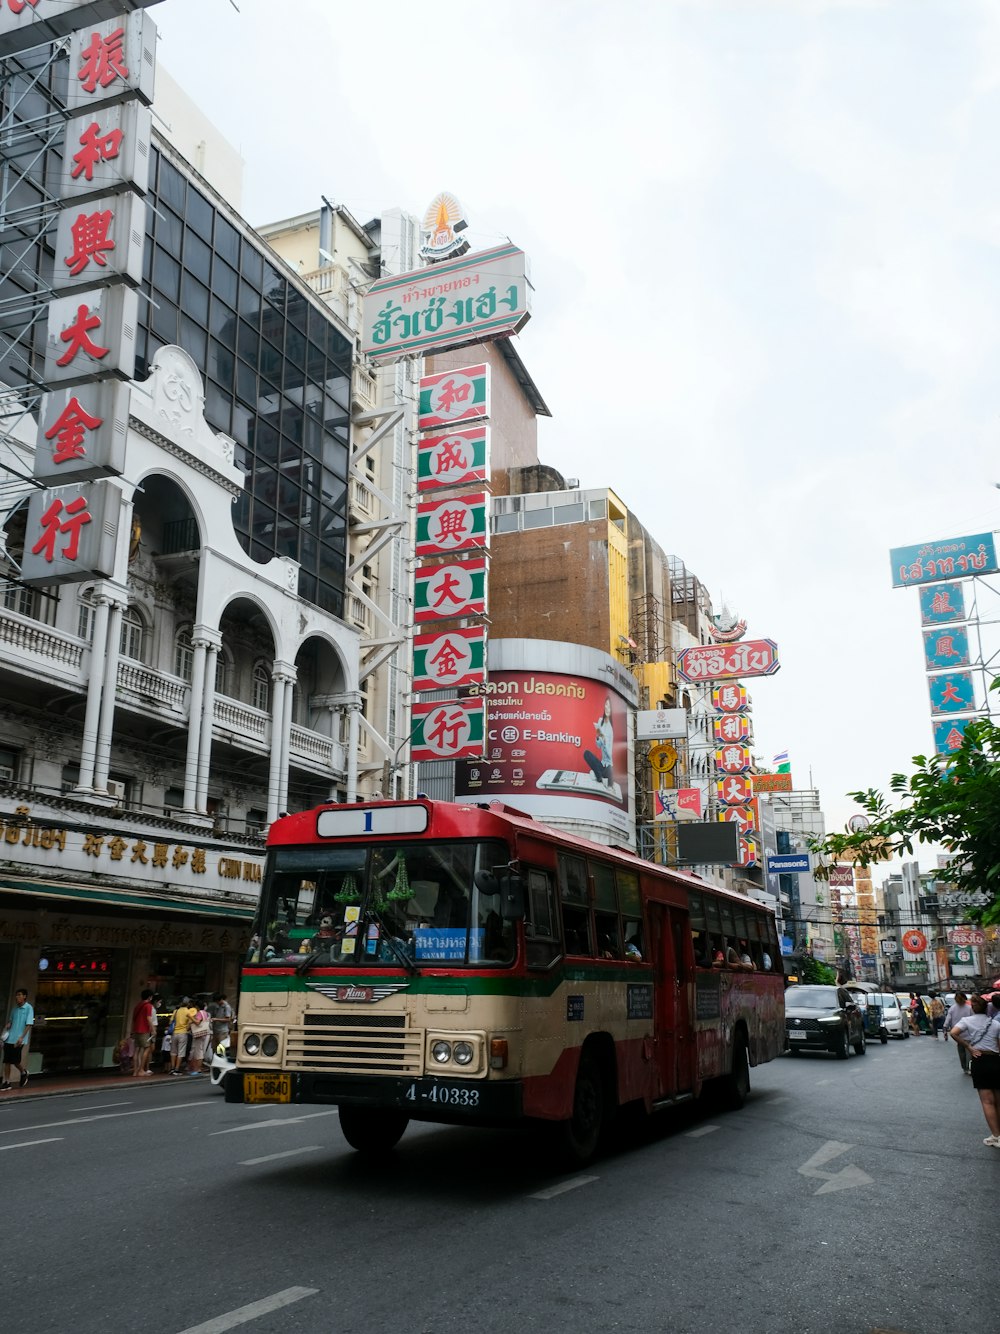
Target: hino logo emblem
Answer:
pixel 350 991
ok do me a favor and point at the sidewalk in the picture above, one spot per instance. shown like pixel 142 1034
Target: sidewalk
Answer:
pixel 65 1084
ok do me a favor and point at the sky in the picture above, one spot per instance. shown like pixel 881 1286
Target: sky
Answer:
pixel 764 239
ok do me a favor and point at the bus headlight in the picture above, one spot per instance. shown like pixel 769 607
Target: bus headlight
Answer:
pixel 270 1045
pixel 251 1044
pixel 464 1053
pixel 441 1052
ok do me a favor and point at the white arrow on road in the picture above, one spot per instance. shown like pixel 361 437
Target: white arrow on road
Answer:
pixel 845 1179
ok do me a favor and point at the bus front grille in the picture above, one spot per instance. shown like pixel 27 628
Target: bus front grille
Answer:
pixel 353 1044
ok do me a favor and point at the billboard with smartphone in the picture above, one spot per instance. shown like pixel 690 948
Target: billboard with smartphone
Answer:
pixel 557 745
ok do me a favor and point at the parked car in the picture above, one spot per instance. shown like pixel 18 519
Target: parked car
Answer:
pixel 223 1060
pixel 816 1020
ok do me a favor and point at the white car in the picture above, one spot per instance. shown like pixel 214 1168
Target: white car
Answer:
pixel 896 1023
pixel 222 1063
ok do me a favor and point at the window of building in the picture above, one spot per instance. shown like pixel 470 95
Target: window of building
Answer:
pixel 183 654
pixel 23 601
pixel 10 763
pixel 131 639
pixel 261 687
pixel 85 619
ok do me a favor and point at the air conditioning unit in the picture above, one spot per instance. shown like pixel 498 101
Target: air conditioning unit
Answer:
pixel 116 790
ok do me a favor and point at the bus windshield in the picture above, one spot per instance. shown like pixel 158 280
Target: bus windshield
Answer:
pixel 384 905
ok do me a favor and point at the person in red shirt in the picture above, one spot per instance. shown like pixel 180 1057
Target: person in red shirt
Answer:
pixel 143 1033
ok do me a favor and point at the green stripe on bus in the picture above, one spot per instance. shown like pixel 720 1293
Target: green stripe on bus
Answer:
pixel 452 986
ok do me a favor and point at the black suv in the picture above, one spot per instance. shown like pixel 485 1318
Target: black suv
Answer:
pixel 819 1018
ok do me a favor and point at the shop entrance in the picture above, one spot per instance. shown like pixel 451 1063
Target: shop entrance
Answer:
pixel 79 1009
pixel 182 974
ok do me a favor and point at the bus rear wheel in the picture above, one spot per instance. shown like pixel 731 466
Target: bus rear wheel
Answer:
pixel 577 1139
pixel 736 1085
pixel 372 1129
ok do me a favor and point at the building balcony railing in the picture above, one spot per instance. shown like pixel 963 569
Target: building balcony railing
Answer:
pixel 39 648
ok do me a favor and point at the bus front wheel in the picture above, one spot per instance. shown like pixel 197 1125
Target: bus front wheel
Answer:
pixel 577 1138
pixel 372 1129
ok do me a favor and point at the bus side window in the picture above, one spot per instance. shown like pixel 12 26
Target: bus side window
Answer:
pixel 575 904
pixel 540 924
pixel 609 942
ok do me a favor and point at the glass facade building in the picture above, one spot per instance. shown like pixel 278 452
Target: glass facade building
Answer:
pixel 275 365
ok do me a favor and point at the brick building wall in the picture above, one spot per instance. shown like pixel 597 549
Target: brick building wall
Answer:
pixel 552 583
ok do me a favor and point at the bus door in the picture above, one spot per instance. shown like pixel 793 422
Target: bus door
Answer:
pixel 674 1032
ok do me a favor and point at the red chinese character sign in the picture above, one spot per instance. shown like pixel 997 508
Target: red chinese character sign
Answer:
pixel 730 699
pixel 453 460
pixel 82 433
pixel 112 62
pixel 100 241
pixel 739 816
pixel 91 335
pixel 454 589
pixel 71 534
pixel 451 658
pixel 733 760
pixel 717 662
pixel 453 729
pixel 735 791
pixel 733 728
pixel 107 152
pixel 28 23
pixel 446 526
pixel 450 397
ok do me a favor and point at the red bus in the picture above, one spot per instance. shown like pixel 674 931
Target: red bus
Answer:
pixel 433 961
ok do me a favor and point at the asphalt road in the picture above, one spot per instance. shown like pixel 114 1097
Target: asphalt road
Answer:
pixel 848 1196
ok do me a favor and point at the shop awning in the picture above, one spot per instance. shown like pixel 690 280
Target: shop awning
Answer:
pixel 141 900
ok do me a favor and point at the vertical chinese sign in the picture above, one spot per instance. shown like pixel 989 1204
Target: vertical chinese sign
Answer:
pixel 72 526
pixel 732 733
pixel 936 569
pixel 452 550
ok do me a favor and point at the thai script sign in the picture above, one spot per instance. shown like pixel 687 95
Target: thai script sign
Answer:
pixel 453 460
pixel 942 603
pixel 450 397
pixel 773 782
pixel 975 898
pixel 842 876
pixel 483 295
pixel 446 526
pixel 966 935
pixel 953 692
pixel 454 589
pixel 452 729
pixel 954 558
pixel 442 228
pixel 28 23
pixel 946 648
pixel 717 662
pixel 451 658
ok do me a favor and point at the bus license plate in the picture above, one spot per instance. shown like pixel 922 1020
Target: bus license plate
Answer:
pixel 267 1088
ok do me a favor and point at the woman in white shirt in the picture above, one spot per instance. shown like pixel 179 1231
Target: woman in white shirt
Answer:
pixel 981 1036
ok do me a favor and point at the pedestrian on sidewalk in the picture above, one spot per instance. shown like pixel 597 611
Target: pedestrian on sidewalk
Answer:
pixel 17 1036
pixel 181 1021
pixel 143 1033
pixel 201 1031
pixel 937 1016
pixel 222 1019
pixel 959 1009
pixel 981 1036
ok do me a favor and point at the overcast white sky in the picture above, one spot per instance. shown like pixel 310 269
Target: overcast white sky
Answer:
pixel 764 239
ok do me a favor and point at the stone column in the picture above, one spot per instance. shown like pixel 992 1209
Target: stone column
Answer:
pixel 200 647
pixel 286 742
pixel 212 644
pixel 95 689
pixel 109 695
pixel 277 782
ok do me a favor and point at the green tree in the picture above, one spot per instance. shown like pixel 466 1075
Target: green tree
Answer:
pixel 953 800
pixel 811 970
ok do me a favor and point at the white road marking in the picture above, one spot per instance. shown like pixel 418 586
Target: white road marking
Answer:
pixel 243 1314
pixel 29 1142
pixel 289 1153
pixel 275 1121
pixel 107 1116
pixel 562 1188
pixel 821 1082
pixel 702 1130
pixel 846 1179
pixel 100 1106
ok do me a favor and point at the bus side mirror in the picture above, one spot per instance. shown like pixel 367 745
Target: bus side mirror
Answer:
pixel 486 882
